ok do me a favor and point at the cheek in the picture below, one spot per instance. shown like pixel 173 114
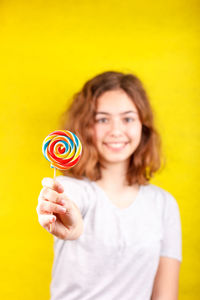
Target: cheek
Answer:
pixel 135 132
pixel 98 133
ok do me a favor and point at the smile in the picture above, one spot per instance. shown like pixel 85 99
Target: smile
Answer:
pixel 115 146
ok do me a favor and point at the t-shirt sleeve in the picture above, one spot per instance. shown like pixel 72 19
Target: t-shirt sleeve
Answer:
pixel 172 236
pixel 75 191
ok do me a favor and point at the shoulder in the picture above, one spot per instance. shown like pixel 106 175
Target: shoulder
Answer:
pixel 157 191
pixel 83 186
pixel 78 190
pixel 160 197
pixel 71 181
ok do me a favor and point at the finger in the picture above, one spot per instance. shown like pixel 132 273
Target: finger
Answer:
pixel 52 184
pixel 59 230
pixel 51 195
pixel 57 227
pixel 46 220
pixel 47 207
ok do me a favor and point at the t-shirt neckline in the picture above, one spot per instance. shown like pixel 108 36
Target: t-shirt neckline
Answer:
pixel 117 209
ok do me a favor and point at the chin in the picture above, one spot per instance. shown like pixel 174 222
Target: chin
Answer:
pixel 115 160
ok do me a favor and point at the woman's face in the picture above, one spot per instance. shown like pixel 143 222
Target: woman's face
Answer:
pixel 117 129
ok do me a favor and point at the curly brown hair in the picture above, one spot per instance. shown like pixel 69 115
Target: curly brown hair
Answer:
pixel 79 118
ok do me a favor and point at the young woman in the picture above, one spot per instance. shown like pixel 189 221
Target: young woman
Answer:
pixel 116 235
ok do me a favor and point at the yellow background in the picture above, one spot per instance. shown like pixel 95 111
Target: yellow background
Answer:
pixel 48 50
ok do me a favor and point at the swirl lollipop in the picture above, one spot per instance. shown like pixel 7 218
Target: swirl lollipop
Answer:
pixel 63 149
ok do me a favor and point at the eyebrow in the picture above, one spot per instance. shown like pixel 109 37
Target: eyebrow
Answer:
pixel 123 113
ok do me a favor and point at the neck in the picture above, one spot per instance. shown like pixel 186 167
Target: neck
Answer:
pixel 113 177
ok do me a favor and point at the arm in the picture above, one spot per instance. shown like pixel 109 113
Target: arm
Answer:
pixel 166 280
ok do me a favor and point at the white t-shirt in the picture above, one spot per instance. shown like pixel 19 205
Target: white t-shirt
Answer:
pixel 117 256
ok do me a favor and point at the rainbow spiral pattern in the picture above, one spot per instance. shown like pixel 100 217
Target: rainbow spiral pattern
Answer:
pixel 62 148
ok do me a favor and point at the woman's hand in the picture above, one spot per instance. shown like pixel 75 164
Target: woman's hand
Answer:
pixel 66 220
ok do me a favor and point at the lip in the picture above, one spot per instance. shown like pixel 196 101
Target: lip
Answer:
pixel 116 142
pixel 108 146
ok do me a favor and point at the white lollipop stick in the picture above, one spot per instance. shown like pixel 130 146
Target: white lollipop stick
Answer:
pixel 54 180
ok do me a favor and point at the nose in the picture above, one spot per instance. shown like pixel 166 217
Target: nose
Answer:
pixel 116 127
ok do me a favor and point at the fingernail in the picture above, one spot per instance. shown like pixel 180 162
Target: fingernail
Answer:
pixel 53 219
pixel 62 202
pixel 61 190
pixel 63 209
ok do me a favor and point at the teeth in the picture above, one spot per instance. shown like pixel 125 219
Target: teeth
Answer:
pixel 116 145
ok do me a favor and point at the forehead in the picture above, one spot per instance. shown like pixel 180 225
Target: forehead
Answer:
pixel 115 102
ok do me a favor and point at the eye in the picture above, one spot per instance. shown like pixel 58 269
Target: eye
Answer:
pixel 102 120
pixel 128 119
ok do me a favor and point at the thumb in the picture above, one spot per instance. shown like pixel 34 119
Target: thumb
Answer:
pixel 53 184
pixel 58 186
